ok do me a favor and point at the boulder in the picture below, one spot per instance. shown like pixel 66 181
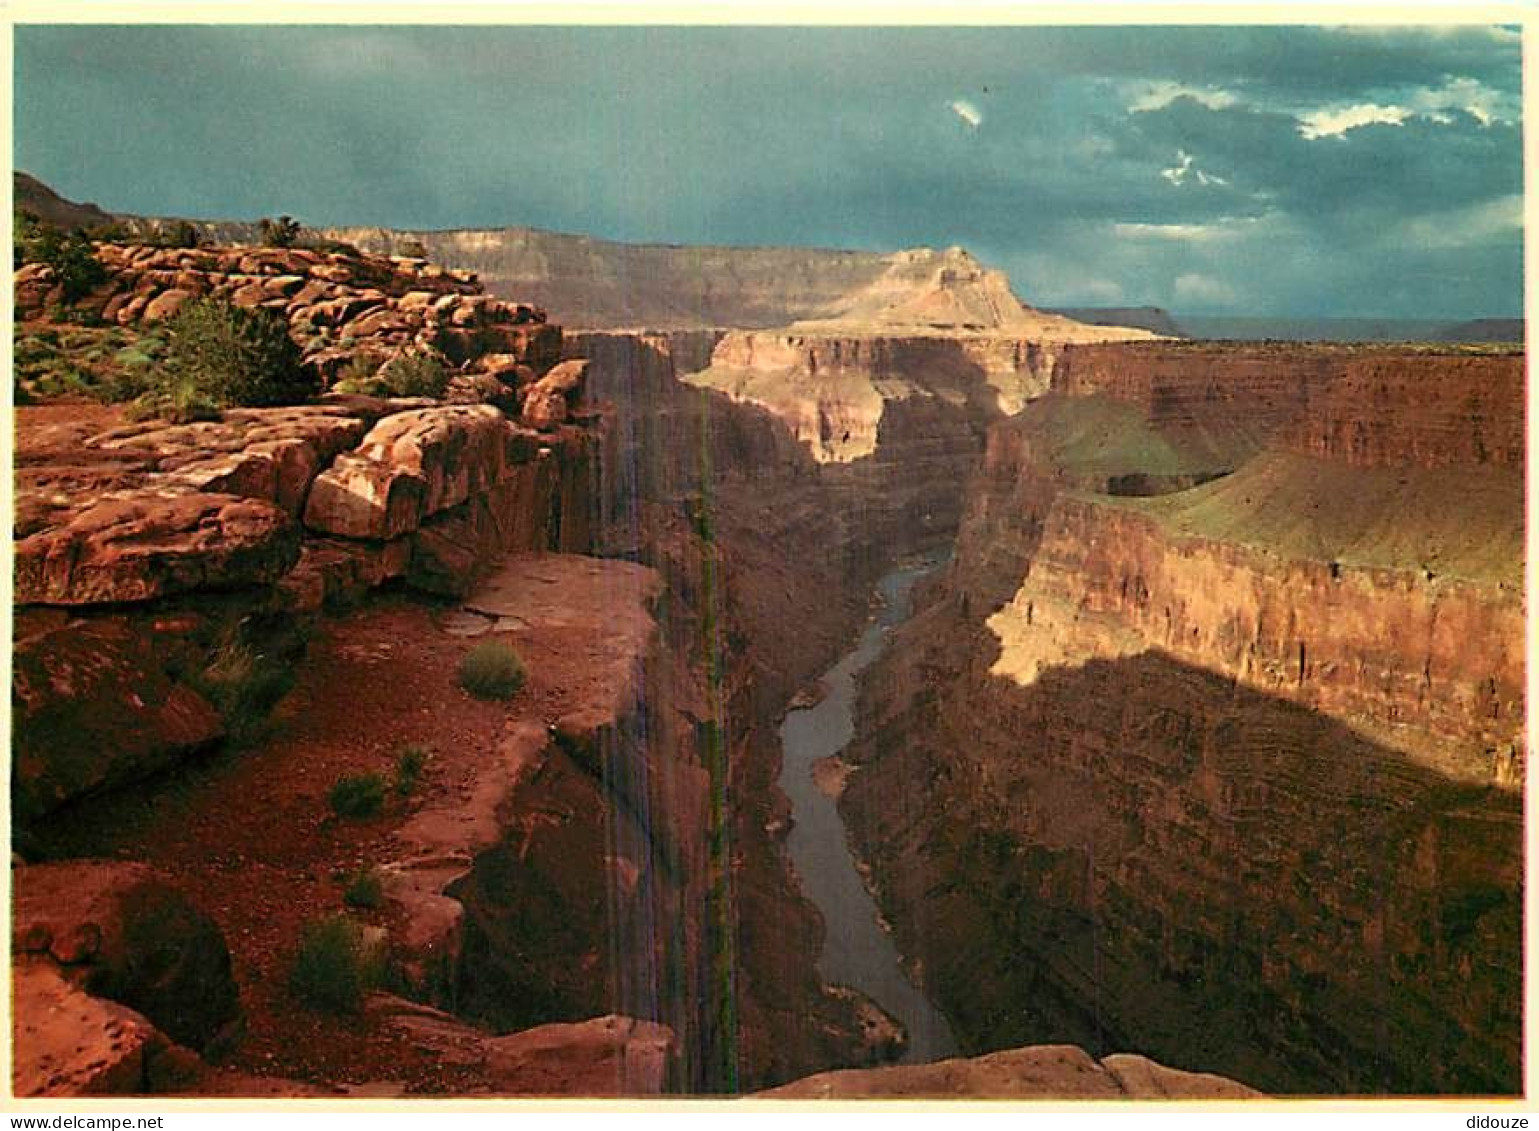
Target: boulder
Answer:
pixel 550 399
pixel 612 1055
pixel 92 707
pixel 414 464
pixel 124 933
pixel 480 388
pixel 166 304
pixel 1034 1072
pixel 68 1043
pixel 150 544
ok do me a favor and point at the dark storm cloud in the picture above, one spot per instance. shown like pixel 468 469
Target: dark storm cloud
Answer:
pixel 1294 170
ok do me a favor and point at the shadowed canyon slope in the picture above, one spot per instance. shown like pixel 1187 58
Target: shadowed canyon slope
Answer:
pixel 1219 720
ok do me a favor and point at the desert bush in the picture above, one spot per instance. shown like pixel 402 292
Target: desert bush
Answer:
pixel 358 796
pixel 244 684
pixel 360 374
pixel 415 375
pixel 364 889
pixel 71 256
pixel 177 234
pixel 110 231
pixel 282 232
pixel 334 966
pixel 492 670
pixel 222 355
pixel 409 765
pixel 405 375
pixel 24 229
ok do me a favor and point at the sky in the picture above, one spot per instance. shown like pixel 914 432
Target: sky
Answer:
pixel 1287 171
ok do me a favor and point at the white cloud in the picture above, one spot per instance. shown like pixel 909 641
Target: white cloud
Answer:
pixel 1460 227
pixel 1482 102
pixel 1185 167
pixel 1437 104
pixel 1185 233
pixel 967 112
pixel 1336 122
pixel 1158 95
pixel 1204 290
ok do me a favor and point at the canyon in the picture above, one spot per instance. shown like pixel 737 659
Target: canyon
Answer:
pixel 1195 772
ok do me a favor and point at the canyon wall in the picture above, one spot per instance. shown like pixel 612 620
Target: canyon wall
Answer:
pixel 767 561
pixel 1209 744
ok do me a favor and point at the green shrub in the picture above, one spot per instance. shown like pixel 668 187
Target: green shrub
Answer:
pixel 221 355
pixel 334 966
pixel 181 233
pixel 492 670
pixel 71 256
pixel 364 889
pixel 358 796
pixel 282 232
pixel 409 765
pixel 415 375
pixel 405 375
pixel 361 370
pixel 243 684
pixel 110 231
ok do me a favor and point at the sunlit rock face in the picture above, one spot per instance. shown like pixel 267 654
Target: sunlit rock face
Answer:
pixel 1210 744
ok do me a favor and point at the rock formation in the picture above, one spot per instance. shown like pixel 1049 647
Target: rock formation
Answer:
pixel 1037 1073
pixel 1219 715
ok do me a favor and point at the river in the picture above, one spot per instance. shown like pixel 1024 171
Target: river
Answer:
pixel 857 952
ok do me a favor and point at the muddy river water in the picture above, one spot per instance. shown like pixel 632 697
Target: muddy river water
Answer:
pixel 857 952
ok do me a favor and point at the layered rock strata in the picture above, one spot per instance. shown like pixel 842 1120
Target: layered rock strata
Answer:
pixel 1208 744
pixel 268 515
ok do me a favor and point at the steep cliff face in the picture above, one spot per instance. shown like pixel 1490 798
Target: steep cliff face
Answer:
pixel 1207 745
pixel 587 282
pixel 764 569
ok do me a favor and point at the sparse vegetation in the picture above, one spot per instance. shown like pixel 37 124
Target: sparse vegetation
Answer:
pixel 405 375
pixel 409 765
pixel 282 232
pixel 358 796
pixel 415 375
pixel 365 889
pixel 221 356
pixel 71 255
pixel 178 233
pixel 492 670
pixel 335 965
pixel 244 684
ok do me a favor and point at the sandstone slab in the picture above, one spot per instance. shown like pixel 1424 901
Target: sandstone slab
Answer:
pixel 605 1056
pixel 414 464
pixel 92 709
pixel 152 544
pixel 68 1043
pixel 127 934
pixel 1034 1072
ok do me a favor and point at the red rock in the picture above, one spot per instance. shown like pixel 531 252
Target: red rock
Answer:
pixel 414 464
pixel 149 545
pixel 252 294
pixel 93 708
pixel 69 1043
pixel 549 399
pixel 604 1056
pixel 165 304
pixel 1035 1072
pixel 150 948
